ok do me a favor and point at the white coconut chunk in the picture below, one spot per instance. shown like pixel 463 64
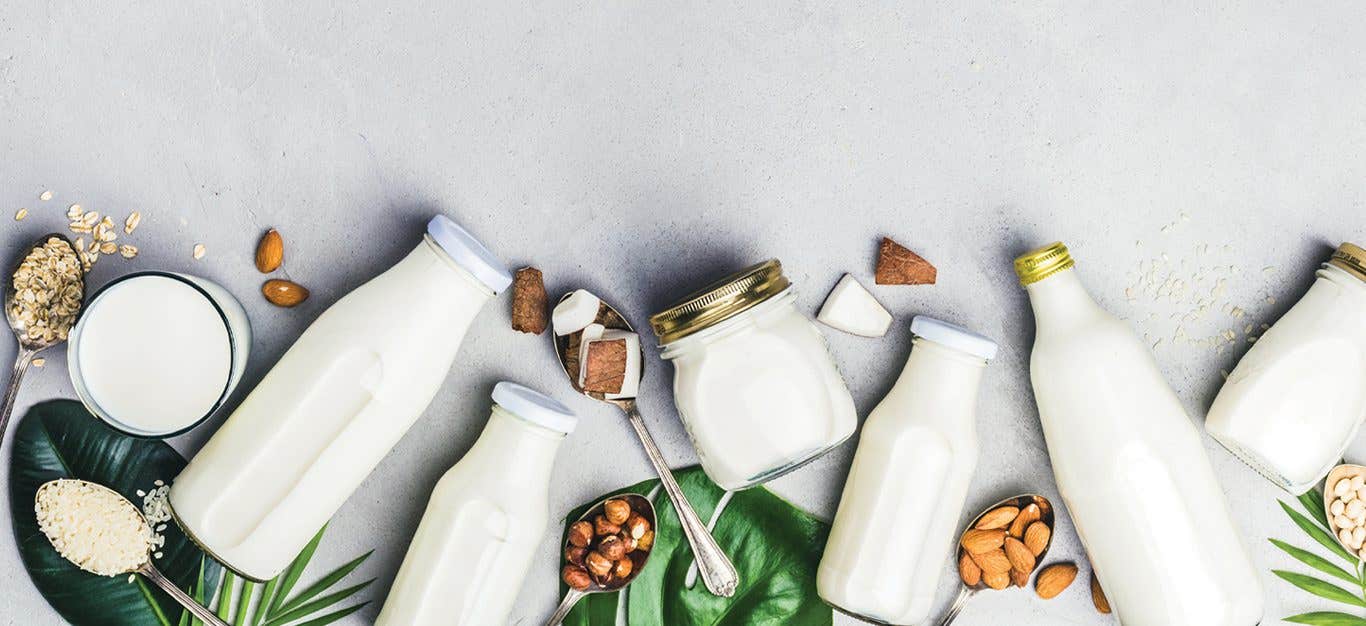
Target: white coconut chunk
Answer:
pixel 574 313
pixel 850 308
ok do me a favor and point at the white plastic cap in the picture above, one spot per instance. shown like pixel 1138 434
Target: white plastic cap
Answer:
pixel 953 336
pixel 535 407
pixel 468 253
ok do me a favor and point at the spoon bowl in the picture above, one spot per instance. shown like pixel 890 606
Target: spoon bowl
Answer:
pixel 1346 471
pixel 1046 515
pixel 639 504
pixel 567 348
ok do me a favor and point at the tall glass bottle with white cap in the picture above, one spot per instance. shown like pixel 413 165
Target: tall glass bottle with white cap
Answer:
pixel 334 405
pixel 1129 463
pixel 898 516
pixel 485 519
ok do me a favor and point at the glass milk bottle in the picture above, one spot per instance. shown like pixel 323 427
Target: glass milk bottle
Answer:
pixel 1129 463
pixel 334 405
pixel 485 519
pixel 1294 402
pixel 898 518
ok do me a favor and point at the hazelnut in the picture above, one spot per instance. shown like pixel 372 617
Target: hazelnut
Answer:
pixel 616 511
pixel 580 534
pixel 623 568
pixel 612 548
pixel 637 525
pixel 575 554
pixel 646 541
pixel 603 527
pixel 576 577
pixel 598 565
pixel 628 541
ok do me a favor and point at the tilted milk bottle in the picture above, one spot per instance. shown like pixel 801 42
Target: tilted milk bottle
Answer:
pixel 334 405
pixel 898 518
pixel 1129 463
pixel 485 519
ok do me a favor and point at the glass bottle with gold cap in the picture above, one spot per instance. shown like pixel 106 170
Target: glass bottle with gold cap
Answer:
pixel 1294 402
pixel 1130 464
pixel 754 381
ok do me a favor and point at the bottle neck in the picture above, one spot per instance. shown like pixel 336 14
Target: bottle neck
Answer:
pixel 522 452
pixel 1060 301
pixel 948 376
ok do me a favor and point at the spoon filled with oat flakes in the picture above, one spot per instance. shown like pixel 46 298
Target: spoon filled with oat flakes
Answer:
pixel 44 296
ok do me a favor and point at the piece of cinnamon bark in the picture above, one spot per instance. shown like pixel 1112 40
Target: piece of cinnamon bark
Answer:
pixel 530 313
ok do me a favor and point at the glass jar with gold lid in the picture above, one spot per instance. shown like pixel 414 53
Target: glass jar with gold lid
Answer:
pixel 754 381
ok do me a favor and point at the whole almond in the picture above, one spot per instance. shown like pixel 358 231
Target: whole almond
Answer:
pixel 1021 559
pixel 1053 579
pixel 994 561
pixel 999 517
pixel 283 292
pixel 968 570
pixel 1021 579
pixel 997 580
pixel 1098 596
pixel 977 541
pixel 1036 537
pixel 270 252
pixel 1027 516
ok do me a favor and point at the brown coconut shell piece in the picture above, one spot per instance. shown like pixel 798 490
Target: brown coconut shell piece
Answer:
pixel 897 265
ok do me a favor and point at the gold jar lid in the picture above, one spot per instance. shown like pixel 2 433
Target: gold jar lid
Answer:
pixel 1040 263
pixel 1350 257
pixel 720 301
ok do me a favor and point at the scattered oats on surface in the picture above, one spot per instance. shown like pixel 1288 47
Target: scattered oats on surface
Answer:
pixel 127 251
pixel 74 212
pixel 108 247
pixel 45 196
pixel 39 362
pixel 199 251
pixel 20 214
pixel 132 222
pixel 49 288
pixel 91 218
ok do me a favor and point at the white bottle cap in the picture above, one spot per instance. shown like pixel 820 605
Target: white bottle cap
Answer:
pixel 468 253
pixel 953 336
pixel 535 407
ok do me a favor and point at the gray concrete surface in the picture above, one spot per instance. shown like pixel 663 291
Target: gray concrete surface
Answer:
pixel 639 148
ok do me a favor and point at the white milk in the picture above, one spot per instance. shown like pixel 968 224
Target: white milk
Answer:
pixel 484 521
pixel 1296 399
pixel 154 353
pixel 334 405
pixel 1130 464
pixel 898 517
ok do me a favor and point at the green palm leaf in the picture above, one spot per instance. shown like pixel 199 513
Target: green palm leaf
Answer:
pixel 1318 533
pixel 1317 562
pixel 1312 501
pixel 332 617
pixel 1320 588
pixel 317 605
pixel 1327 618
pixel 324 583
pixel 292 573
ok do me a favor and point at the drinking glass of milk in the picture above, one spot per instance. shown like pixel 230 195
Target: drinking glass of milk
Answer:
pixel 156 353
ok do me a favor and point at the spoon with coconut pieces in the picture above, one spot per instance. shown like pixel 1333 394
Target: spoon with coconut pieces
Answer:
pixel 630 540
pixel 45 294
pixel 587 329
pixel 68 510
pixel 1014 516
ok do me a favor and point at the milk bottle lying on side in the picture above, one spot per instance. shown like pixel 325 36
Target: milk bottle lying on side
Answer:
pixel 334 405
pixel 1130 464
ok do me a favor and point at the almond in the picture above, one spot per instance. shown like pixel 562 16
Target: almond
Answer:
pixel 968 570
pixel 999 517
pixel 283 292
pixel 994 561
pixel 1021 559
pixel 1027 516
pixel 1036 537
pixel 1098 596
pixel 978 541
pixel 996 580
pixel 1054 578
pixel 270 252
pixel 1021 579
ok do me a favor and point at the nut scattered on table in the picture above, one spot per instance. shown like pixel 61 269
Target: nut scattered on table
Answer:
pixel 1055 578
pixel 285 293
pixel 270 252
pixel 607 550
pixel 1098 595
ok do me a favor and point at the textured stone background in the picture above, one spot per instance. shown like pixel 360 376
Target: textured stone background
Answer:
pixel 639 148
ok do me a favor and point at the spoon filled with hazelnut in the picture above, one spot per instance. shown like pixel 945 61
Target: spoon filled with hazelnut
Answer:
pixel 606 548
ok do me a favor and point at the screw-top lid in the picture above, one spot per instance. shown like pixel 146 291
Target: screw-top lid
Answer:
pixel 1350 257
pixel 720 300
pixel 953 336
pixel 534 406
pixel 468 253
pixel 1040 263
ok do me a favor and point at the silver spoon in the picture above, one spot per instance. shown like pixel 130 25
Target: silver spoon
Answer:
pixel 149 571
pixel 718 574
pixel 29 347
pixel 639 504
pixel 1020 501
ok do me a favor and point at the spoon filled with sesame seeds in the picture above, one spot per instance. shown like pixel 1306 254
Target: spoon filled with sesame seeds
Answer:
pixel 45 294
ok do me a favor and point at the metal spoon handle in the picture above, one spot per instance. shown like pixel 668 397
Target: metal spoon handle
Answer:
pixel 21 364
pixel 718 574
pixel 151 573
pixel 562 611
pixel 958 604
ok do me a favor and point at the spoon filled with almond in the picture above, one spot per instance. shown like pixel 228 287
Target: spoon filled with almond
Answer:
pixel 1003 546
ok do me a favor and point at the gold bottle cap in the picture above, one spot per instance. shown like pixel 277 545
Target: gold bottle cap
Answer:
pixel 720 301
pixel 1040 263
pixel 1351 258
